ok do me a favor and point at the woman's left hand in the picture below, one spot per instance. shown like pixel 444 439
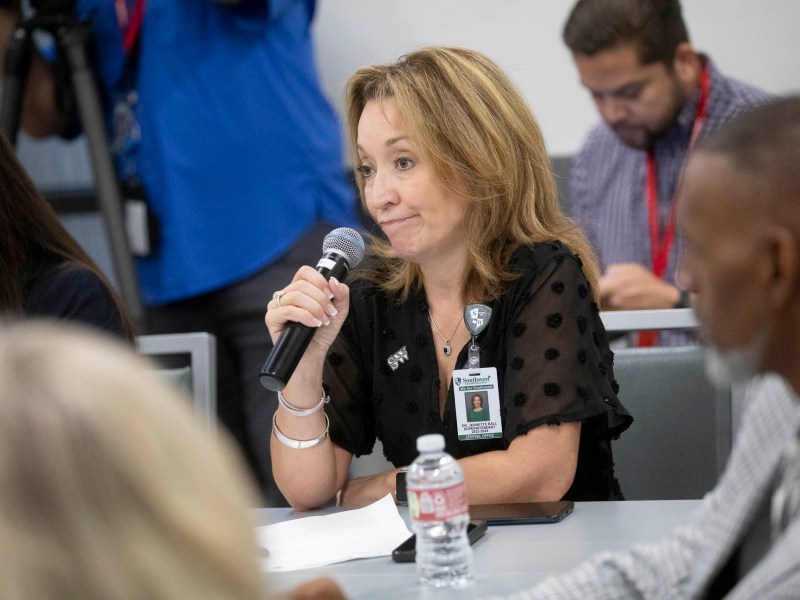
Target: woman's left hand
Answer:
pixel 363 491
pixel 322 588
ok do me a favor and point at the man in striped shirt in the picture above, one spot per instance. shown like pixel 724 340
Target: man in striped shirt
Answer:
pixel 655 95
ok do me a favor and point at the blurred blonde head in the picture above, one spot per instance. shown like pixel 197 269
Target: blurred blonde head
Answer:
pixel 483 142
pixel 111 488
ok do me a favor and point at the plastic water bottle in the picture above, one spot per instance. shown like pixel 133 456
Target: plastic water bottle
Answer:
pixel 437 502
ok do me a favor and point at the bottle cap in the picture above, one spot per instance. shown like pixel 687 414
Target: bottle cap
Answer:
pixel 430 442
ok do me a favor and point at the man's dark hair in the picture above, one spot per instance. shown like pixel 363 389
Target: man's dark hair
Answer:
pixel 655 26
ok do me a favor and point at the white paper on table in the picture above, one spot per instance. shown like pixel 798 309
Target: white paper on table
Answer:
pixel 374 530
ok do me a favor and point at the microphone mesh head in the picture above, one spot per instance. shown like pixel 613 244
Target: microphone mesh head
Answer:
pixel 345 241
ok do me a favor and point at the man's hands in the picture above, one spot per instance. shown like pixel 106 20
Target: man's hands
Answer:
pixel 630 286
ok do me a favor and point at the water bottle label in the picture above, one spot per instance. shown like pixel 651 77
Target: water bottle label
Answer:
pixel 438 504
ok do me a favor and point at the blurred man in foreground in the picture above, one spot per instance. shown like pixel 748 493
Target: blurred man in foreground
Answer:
pixel 740 214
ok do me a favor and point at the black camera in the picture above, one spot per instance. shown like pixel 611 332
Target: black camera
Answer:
pixel 45 7
pixel 53 7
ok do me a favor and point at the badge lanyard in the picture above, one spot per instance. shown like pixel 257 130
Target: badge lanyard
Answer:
pixel 130 22
pixel 125 133
pixel 660 245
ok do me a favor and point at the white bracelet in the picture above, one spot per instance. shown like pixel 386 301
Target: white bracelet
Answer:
pixel 303 412
pixel 293 443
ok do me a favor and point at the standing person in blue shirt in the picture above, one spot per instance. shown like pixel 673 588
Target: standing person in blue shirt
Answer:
pixel 655 94
pixel 222 119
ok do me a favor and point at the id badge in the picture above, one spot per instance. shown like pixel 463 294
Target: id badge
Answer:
pixel 477 399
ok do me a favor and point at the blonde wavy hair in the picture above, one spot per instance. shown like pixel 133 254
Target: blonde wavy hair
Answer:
pixel 111 488
pixel 482 141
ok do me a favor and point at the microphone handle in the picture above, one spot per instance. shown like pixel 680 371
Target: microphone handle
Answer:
pixel 296 337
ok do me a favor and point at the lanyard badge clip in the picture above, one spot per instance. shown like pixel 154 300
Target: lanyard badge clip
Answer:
pixel 476 318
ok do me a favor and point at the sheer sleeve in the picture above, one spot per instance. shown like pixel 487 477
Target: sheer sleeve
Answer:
pixel 559 366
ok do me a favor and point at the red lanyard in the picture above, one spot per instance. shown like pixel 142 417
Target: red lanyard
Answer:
pixel 660 245
pixel 129 23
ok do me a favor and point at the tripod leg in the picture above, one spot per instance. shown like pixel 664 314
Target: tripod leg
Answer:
pixel 72 41
pixel 15 73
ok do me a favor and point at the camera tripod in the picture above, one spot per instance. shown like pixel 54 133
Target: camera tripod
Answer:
pixel 70 35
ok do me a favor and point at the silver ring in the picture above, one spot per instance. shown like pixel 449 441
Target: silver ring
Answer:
pixel 277 297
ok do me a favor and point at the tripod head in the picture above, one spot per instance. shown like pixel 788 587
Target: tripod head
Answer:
pixel 43 7
pixel 57 18
pixel 53 7
pixel 76 94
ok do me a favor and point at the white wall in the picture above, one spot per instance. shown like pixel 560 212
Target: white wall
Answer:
pixel 753 40
pixel 756 41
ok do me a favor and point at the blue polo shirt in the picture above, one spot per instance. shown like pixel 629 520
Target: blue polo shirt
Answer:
pixel 240 151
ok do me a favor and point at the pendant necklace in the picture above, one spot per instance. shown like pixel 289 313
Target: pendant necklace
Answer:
pixel 446 348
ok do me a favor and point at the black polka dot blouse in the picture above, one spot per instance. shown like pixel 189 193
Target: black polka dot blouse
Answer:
pixel 545 338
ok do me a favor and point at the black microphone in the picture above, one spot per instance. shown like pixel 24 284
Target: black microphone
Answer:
pixel 342 249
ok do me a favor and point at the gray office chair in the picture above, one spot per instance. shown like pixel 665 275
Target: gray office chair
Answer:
pixel 681 436
pixel 369 464
pixel 198 377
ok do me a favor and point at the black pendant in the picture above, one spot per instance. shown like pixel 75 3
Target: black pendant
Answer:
pixel 446 349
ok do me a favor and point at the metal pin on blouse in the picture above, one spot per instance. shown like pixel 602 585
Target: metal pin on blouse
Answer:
pixel 397 358
pixel 476 318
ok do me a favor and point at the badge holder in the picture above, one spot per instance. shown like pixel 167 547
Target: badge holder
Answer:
pixel 476 318
pixel 475 388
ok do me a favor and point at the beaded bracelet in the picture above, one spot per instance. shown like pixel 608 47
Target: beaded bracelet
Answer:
pixel 293 443
pixel 303 412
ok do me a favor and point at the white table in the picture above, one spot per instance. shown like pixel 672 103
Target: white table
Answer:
pixel 508 557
